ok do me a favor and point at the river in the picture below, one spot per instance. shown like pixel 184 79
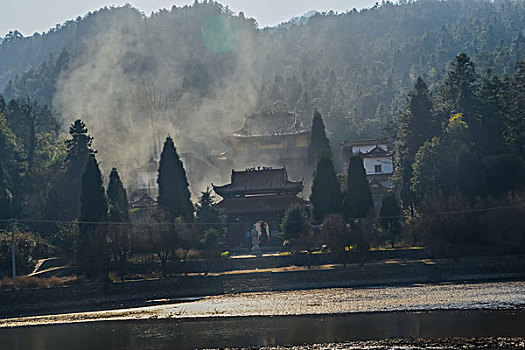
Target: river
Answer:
pixel 284 318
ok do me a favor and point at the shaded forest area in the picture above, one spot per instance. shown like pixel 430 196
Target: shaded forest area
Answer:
pixel 355 68
pixel 456 120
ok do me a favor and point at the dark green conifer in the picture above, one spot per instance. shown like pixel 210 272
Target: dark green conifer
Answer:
pixel 174 194
pixel 295 223
pixel 117 199
pixel 93 249
pixel 208 215
pixel 6 198
pixel 416 125
pixel 118 234
pixel 78 151
pixel 460 89
pixel 93 204
pixel 390 216
pixel 326 197
pixel 318 140
pixel 357 197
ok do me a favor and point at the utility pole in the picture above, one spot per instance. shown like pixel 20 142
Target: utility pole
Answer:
pixel 13 255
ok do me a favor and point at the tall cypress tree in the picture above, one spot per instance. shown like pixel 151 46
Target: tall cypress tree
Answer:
pixel 318 140
pixel 174 194
pixel 357 197
pixel 118 234
pixel 93 204
pixel 117 199
pixel 326 197
pixel 78 151
pixel 93 250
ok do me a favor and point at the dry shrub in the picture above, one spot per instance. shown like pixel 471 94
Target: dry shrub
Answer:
pixel 26 282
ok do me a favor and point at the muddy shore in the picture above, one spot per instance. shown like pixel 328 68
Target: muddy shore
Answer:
pixel 335 301
pixel 93 297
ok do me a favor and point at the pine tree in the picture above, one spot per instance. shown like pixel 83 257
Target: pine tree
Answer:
pixel 6 198
pixel 117 199
pixel 207 215
pixel 318 140
pixel 416 125
pixel 174 194
pixel 460 89
pixel 491 113
pixel 296 228
pixel 119 241
pixel 516 109
pixel 357 202
pixel 210 223
pixel 93 204
pixel 93 250
pixel 326 197
pixel 78 151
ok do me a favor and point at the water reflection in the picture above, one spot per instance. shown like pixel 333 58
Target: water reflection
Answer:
pixel 260 331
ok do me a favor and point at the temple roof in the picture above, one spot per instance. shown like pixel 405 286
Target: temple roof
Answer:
pixel 143 201
pixel 268 124
pixel 259 181
pixel 367 142
pixel 151 166
pixel 377 152
pixel 246 205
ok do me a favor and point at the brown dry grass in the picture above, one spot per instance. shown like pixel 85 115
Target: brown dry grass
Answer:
pixel 25 282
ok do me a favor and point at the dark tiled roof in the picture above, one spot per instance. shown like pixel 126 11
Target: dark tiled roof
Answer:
pixel 375 142
pixel 244 205
pixel 270 123
pixel 151 166
pixel 377 152
pixel 252 181
pixel 144 201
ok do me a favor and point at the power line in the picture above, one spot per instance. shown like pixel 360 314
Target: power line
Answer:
pixel 423 214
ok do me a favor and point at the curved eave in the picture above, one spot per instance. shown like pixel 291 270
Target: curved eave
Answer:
pixel 230 137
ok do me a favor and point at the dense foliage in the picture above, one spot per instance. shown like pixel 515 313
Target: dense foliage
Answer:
pixel 355 67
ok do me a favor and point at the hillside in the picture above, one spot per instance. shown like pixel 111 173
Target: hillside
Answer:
pixel 193 70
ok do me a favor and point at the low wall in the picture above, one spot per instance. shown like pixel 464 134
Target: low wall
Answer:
pixel 269 262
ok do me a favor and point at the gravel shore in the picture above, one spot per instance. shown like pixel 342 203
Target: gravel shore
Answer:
pixel 413 344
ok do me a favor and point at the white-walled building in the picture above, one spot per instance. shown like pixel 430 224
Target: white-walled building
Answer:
pixel 378 162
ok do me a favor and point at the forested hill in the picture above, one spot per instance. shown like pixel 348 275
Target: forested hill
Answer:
pixel 210 67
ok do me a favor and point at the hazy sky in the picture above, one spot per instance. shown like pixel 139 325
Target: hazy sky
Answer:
pixel 29 16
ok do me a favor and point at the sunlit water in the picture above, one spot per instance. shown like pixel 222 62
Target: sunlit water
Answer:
pixel 285 318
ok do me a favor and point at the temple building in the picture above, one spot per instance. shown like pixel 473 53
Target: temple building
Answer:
pixel 275 138
pixel 378 163
pixel 257 195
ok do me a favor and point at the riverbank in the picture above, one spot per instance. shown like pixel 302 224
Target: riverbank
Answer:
pixel 413 344
pixel 90 297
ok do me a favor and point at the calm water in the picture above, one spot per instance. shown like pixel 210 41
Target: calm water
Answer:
pixel 264 330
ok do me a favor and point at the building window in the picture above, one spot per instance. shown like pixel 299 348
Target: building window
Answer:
pixel 378 168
